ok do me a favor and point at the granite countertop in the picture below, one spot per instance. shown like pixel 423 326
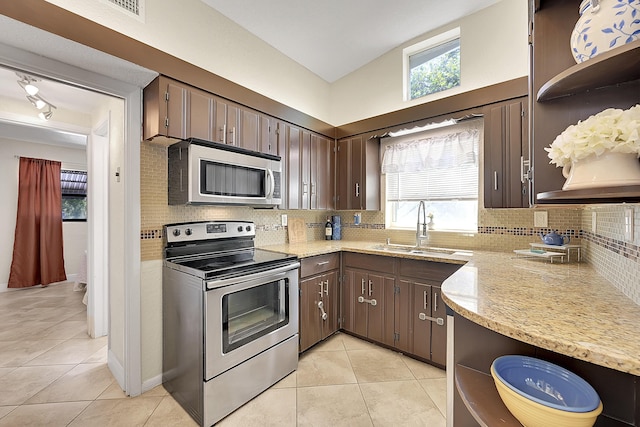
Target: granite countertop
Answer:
pixel 565 308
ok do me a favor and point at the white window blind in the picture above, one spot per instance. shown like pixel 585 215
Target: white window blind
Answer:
pixel 434 165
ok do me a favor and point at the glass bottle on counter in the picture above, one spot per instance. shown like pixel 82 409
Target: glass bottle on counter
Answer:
pixel 328 229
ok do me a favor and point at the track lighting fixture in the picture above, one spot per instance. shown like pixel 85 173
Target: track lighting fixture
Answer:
pixel 26 82
pixel 46 115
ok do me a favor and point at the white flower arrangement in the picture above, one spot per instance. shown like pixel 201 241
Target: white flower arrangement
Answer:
pixel 611 130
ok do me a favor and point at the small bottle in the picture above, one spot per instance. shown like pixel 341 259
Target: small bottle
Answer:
pixel 328 229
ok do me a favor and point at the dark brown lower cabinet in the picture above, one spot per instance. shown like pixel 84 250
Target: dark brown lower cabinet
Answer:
pixel 366 311
pixel 319 305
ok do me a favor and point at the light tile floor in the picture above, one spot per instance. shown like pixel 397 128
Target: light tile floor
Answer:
pixel 53 374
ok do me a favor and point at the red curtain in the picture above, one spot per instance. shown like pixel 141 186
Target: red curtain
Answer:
pixel 37 248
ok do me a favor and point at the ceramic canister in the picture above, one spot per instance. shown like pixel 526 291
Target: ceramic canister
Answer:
pixel 604 25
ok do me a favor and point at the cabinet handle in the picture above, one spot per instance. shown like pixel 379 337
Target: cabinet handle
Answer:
pixel 438 320
pixel 223 132
pixel 362 287
pixel 435 302
pixel 313 188
pixel 304 188
pixel 495 180
pixel 326 287
pixel 357 189
pixel 322 263
pixel 321 307
pixel 370 287
pixel 233 135
pixel 321 284
pixel 425 299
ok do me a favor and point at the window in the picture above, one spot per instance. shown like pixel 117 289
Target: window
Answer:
pixel 439 167
pixel 74 195
pixel 432 65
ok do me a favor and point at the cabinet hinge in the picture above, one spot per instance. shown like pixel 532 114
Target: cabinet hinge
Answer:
pixel 396 290
pixel 166 122
pixel 339 322
pixel 299 291
pixel 396 336
pixel 166 96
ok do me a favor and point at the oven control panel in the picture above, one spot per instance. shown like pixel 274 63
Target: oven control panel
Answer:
pixel 193 231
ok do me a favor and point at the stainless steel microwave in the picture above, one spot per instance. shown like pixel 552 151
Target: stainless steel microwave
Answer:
pixel 203 172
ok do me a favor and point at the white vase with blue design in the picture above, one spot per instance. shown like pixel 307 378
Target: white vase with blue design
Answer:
pixel 604 25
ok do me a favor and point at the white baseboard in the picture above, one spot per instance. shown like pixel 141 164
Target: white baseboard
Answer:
pixel 151 383
pixel 116 368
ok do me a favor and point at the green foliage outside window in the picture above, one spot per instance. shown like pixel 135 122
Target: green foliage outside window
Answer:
pixel 74 208
pixel 440 73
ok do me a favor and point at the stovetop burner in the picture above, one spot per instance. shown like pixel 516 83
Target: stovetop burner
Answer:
pixel 215 249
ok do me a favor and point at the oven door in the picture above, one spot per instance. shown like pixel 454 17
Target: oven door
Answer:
pixel 245 316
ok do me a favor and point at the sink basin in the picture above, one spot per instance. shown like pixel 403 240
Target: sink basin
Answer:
pixel 426 250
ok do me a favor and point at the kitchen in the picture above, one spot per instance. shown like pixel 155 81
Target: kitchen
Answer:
pixel 498 229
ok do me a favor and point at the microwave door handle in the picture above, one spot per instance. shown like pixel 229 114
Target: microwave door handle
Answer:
pixel 272 184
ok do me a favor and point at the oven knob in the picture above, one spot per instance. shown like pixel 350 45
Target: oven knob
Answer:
pixel 240 229
pixel 188 232
pixel 176 232
pixel 248 228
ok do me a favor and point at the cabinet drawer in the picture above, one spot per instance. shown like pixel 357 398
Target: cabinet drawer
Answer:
pixel 318 264
pixel 370 262
pixel 426 270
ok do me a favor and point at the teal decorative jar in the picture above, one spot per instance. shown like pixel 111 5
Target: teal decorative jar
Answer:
pixel 604 25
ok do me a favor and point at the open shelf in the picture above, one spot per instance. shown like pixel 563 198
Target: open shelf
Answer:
pixel 480 396
pixel 616 66
pixel 628 193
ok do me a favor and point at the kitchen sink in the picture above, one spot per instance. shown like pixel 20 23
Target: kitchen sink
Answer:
pixel 422 250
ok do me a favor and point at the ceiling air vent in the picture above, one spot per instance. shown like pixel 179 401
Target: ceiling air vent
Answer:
pixel 134 8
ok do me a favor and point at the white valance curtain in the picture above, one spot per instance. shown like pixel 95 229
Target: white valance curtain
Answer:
pixel 441 149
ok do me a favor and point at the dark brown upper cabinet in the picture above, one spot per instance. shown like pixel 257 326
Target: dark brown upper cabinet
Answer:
pixel 563 92
pixel 506 154
pixel 358 174
pixel 310 169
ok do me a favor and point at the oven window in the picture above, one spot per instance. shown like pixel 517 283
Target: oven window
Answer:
pixel 223 179
pixel 251 313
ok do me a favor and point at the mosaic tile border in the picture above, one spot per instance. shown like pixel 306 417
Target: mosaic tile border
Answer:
pixel 150 234
pixel 625 249
pixel 528 231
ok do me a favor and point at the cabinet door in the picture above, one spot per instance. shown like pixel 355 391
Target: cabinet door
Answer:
pixel 355 312
pixel 356 181
pixel 268 135
pixel 402 318
pixel 200 115
pixel 377 317
pixel 249 130
pixel 421 328
pixel 305 170
pixel 438 332
pixel 310 315
pixel 294 194
pixel 176 120
pixel 330 303
pixel 343 174
pixel 506 148
pixel 227 122
pixel 322 173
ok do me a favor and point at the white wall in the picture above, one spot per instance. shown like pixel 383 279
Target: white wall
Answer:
pixel 74 233
pixel 493 46
pixel 196 33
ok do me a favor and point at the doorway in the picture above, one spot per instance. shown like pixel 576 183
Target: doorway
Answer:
pixel 124 358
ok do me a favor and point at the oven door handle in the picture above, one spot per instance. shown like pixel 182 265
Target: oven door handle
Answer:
pixel 273 273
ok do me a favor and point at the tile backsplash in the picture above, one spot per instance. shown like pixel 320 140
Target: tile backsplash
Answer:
pixel 498 229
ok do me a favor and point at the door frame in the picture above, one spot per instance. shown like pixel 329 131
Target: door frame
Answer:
pixel 127 372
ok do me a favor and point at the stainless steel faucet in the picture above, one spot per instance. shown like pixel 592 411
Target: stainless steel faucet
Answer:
pixel 424 234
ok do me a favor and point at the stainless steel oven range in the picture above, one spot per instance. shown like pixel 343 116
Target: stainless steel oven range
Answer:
pixel 230 317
